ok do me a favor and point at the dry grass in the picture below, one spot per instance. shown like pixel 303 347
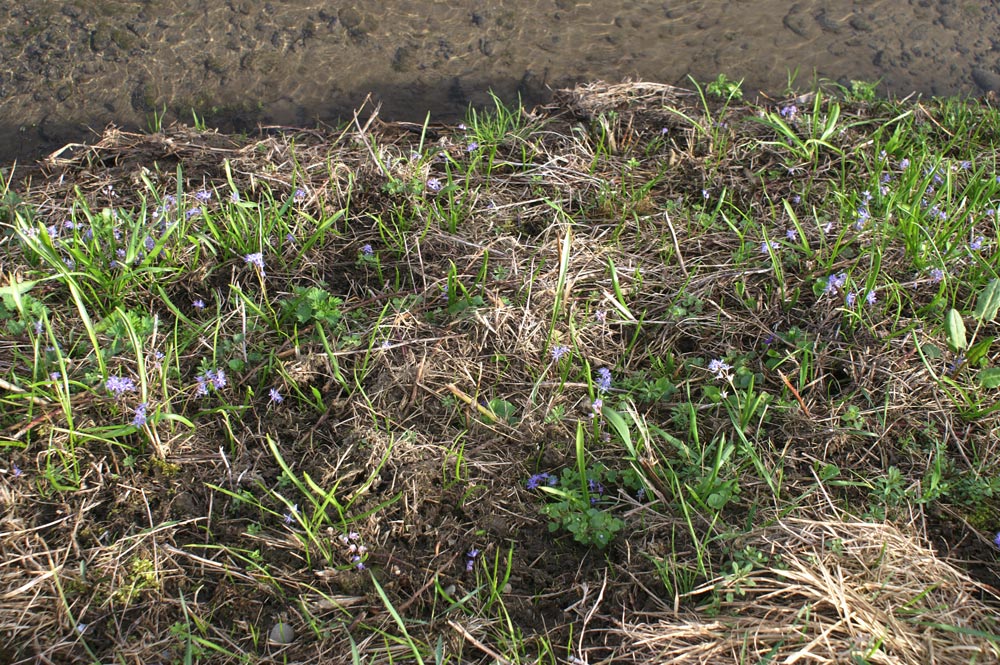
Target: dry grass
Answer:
pixel 153 559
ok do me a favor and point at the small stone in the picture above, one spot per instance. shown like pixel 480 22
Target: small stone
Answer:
pixel 350 18
pixel 986 79
pixel 861 24
pixel 282 633
pixel 800 24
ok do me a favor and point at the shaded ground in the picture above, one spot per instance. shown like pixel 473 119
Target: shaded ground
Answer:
pixel 421 391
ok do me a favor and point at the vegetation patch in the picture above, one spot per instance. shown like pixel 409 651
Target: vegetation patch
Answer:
pixel 647 375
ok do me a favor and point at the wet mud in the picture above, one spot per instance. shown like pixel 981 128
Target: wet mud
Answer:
pixel 70 67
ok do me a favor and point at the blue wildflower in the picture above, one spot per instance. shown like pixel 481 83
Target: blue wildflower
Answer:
pixel 834 283
pixel 140 415
pixel 470 559
pixel 535 481
pixel 367 250
pixel 198 303
pixel 119 385
pixel 203 195
pixel 276 396
pixel 255 259
pixel 217 377
pixel 595 407
pixel 558 352
pixel 434 184
pixel 603 379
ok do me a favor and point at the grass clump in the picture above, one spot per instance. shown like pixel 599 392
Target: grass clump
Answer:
pixel 645 375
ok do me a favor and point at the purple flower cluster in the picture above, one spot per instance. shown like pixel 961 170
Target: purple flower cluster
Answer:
pixel 214 378
pixel 470 559
pixel 433 184
pixel 834 283
pixel 720 369
pixel 539 479
pixel 356 550
pixel 558 351
pixel 255 259
pixel 852 298
pixel 119 385
pixel 276 397
pixel 603 380
pixel 140 415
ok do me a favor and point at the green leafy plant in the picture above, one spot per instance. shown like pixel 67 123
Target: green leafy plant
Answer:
pixel 725 88
pixel 313 303
pixel 578 499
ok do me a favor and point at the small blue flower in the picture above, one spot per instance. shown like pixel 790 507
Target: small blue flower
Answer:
pixel 140 415
pixel 217 377
pixel 870 297
pixel 255 259
pixel 535 481
pixel 603 380
pixel 292 512
pixel 16 470
pixel 203 195
pixel 470 559
pixel 119 385
pixel 976 244
pixel 367 250
pixel 198 303
pixel 595 408
pixel 996 540
pixel 276 396
pixel 434 184
pixel 720 369
pixel 936 275
pixel 558 352
pixel 234 197
pixel 851 298
pixel 789 111
pixel 792 235
pixel 55 376
pixel 192 212
pixel 300 194
pixel 472 147
pixel 767 247
pixel 834 283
